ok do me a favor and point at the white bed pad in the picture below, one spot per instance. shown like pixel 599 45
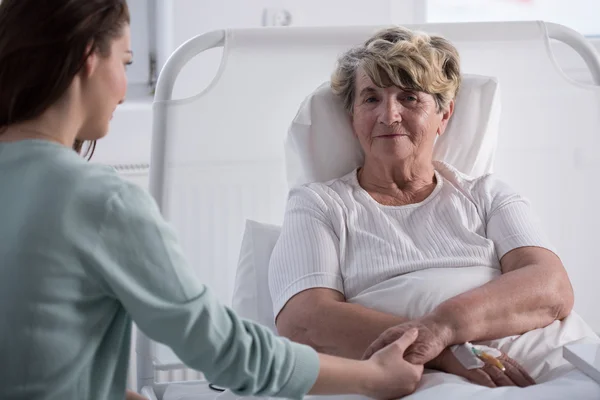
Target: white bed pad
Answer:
pixel 218 157
pixel 572 385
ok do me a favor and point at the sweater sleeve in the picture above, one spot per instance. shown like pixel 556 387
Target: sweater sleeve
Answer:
pixel 142 264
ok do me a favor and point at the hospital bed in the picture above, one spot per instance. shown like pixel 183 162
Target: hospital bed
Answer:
pixel 219 157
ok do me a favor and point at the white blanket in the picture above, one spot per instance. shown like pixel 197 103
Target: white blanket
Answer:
pixel 540 351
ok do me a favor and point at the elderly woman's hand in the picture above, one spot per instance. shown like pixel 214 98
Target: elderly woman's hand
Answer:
pixel 489 375
pixel 432 340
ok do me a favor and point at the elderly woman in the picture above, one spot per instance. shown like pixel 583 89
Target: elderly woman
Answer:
pixel 401 213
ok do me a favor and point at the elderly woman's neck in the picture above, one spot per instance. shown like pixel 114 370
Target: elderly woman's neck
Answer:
pixel 401 183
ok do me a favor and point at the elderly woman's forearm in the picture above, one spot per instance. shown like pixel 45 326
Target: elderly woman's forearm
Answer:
pixel 336 328
pixel 514 303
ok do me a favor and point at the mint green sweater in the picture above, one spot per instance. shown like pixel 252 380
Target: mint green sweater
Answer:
pixel 82 253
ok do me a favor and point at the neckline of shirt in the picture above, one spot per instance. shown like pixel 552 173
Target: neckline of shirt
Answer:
pixel 438 186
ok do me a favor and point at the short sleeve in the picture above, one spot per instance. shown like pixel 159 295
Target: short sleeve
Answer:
pixel 307 253
pixel 510 220
pixel 142 264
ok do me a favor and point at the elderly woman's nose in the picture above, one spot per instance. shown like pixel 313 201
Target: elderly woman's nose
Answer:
pixel 390 113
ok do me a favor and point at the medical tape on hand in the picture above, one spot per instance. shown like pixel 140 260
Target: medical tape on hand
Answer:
pixel 464 354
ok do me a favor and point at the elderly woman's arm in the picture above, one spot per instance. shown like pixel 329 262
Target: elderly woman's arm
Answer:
pixel 306 282
pixel 322 319
pixel 533 291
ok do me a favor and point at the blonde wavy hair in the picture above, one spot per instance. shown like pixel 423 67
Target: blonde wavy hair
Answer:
pixel 400 57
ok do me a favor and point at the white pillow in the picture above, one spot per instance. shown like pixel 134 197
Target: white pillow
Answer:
pixel 321 145
pixel 251 295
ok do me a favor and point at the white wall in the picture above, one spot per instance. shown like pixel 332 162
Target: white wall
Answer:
pixel 177 21
pixel 195 17
pixel 581 15
pixel 180 20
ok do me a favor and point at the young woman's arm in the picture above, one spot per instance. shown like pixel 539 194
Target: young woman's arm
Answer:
pixel 142 265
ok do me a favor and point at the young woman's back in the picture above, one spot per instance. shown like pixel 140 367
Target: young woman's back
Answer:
pixel 83 252
pixel 63 333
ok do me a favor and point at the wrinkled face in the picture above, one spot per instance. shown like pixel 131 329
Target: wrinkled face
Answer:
pixel 393 124
pixel 105 86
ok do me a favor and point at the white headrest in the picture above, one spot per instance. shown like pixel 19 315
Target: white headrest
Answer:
pixel 321 146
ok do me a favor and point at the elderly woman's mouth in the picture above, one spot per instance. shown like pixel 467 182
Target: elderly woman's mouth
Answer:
pixel 393 135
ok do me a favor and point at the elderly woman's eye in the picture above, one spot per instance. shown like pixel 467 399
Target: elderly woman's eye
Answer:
pixel 410 98
pixel 370 100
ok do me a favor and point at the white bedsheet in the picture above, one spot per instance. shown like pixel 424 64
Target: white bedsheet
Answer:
pixel 539 351
pixel 435 385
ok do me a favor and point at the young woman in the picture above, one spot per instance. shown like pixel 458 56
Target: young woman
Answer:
pixel 83 252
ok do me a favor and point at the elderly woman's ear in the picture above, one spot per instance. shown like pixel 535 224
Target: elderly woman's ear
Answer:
pixel 446 114
pixel 351 117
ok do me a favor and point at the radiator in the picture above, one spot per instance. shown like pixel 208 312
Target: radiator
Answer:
pixel 136 173
pixel 183 374
pixel 224 195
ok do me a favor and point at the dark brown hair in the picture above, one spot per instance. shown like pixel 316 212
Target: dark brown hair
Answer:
pixel 43 46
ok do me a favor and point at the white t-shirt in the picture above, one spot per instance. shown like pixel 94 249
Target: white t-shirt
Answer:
pixel 335 235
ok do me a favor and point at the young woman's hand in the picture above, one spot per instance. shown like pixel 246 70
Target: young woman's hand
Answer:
pixel 432 339
pixel 385 375
pixel 130 395
pixel 389 375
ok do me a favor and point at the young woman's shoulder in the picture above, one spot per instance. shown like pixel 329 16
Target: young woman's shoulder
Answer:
pixel 103 186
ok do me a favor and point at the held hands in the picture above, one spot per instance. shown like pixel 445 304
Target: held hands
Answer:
pixel 430 348
pixel 433 338
pixel 389 375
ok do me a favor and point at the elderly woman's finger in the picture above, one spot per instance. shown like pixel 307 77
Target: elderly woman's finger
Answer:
pixel 515 375
pixel 378 344
pixel 499 377
pixel 517 372
pixel 386 338
pixel 368 353
pixel 419 355
pixel 479 377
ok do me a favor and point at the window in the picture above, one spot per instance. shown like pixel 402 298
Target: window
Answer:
pixel 580 15
pixel 141 74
